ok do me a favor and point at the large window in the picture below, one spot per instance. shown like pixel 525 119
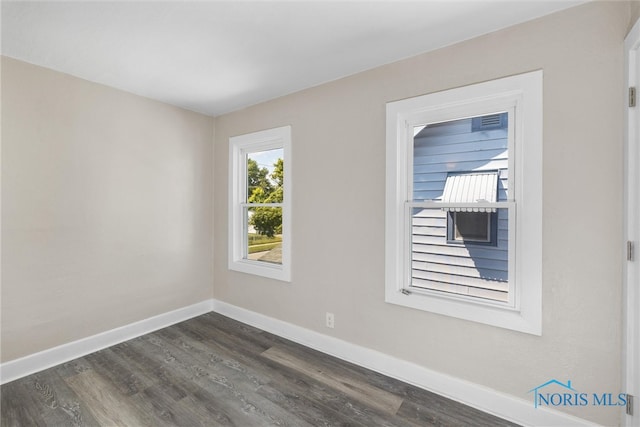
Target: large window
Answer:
pixel 260 235
pixel 464 193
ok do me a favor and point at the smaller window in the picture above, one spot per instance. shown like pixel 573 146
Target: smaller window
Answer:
pixel 260 203
pixel 470 227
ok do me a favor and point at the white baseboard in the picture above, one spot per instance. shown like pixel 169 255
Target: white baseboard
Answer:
pixel 27 365
pixel 488 400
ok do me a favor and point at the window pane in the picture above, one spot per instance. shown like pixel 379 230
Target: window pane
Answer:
pixel 475 145
pixel 265 176
pixel 472 226
pixel 462 268
pixel 264 234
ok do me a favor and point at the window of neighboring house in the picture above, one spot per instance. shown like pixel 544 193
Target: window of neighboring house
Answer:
pixel 260 203
pixel 470 228
pixel 473 225
pixel 464 193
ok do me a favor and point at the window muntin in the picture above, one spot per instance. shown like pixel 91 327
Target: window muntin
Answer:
pixel 519 203
pixel 260 234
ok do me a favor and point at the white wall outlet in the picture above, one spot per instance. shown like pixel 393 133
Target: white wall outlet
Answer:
pixel 330 320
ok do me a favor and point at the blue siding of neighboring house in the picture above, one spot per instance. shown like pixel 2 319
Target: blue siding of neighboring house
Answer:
pixel 469 269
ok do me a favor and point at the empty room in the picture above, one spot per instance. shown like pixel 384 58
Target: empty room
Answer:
pixel 320 213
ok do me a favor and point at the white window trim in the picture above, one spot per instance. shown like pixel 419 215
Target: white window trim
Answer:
pixel 239 146
pixel 521 95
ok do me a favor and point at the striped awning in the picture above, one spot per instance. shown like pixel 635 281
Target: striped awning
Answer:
pixel 471 188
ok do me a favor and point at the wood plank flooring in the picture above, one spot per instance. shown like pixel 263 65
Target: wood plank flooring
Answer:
pixel 214 371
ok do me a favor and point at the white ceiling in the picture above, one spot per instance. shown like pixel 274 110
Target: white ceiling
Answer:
pixel 218 56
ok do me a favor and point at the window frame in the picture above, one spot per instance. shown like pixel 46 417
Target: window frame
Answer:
pixel 239 147
pixel 521 96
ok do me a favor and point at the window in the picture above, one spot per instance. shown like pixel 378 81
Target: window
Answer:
pixel 260 203
pixel 469 225
pixel 471 228
pixel 464 202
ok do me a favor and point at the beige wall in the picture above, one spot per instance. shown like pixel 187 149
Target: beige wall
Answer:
pixel 635 12
pixel 338 134
pixel 106 208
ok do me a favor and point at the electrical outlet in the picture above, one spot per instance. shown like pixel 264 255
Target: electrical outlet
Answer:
pixel 330 320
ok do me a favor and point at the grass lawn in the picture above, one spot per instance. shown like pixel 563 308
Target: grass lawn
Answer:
pixel 261 243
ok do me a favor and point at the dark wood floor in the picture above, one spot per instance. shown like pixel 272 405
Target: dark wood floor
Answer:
pixel 211 371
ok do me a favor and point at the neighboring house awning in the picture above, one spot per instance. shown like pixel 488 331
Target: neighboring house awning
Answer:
pixel 471 188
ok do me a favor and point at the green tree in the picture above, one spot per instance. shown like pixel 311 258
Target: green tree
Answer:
pixel 257 178
pixel 278 173
pixel 268 221
pixel 277 176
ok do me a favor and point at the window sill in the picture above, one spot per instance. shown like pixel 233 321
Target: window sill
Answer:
pixel 260 268
pixel 473 309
